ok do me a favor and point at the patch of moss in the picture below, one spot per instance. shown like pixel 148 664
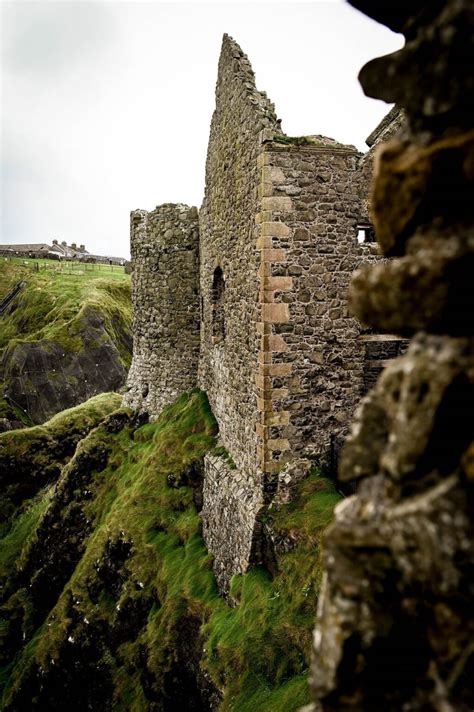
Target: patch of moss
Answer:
pixel 310 510
pixel 22 528
pixel 136 590
pixel 321 141
pixel 220 451
pixel 292 140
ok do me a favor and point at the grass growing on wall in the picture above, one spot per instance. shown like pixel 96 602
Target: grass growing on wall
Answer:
pixel 143 573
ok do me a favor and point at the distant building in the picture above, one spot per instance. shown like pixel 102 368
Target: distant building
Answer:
pixel 59 251
pixel 26 250
pixel 71 252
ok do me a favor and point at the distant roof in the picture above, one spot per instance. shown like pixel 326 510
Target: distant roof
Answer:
pixel 65 250
pixel 68 250
pixel 26 247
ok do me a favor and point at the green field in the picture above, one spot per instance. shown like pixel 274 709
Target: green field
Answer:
pixel 55 295
pixel 13 269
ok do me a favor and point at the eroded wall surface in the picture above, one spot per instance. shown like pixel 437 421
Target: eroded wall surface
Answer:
pixel 165 296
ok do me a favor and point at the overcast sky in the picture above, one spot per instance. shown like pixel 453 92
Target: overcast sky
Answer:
pixel 106 106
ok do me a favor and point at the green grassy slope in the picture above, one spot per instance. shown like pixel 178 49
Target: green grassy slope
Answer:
pixel 54 300
pixel 57 307
pixel 113 602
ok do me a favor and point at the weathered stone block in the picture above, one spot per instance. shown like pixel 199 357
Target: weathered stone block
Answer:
pixel 276 313
pixel 273 255
pixel 281 284
pixel 280 204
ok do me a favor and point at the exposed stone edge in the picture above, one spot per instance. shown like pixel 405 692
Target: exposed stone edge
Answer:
pixel 269 225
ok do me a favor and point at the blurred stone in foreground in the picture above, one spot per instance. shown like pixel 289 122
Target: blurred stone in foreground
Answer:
pixel 395 629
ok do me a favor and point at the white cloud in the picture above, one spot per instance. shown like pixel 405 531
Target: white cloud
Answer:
pixel 107 105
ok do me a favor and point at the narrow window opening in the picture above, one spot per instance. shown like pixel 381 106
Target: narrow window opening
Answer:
pixel 218 299
pixel 365 234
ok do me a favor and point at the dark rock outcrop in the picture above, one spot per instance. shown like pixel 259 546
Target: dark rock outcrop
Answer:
pixel 43 377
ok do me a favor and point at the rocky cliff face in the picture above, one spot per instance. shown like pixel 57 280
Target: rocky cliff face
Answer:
pixel 63 339
pixel 395 625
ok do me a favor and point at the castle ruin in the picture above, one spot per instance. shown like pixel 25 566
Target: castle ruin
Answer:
pixel 247 300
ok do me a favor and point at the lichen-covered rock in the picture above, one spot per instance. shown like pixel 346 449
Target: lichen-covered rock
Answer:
pixel 395 623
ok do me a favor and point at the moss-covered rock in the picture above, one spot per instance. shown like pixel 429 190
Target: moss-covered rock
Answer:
pixel 113 604
pixel 32 458
pixel 65 338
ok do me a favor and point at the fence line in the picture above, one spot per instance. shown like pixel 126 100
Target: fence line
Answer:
pixel 68 267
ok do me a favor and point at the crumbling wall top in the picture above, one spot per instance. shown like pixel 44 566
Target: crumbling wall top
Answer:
pixel 234 65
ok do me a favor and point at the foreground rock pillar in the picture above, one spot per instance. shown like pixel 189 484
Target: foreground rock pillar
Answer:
pixel 395 628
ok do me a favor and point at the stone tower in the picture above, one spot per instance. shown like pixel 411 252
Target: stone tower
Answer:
pixel 165 255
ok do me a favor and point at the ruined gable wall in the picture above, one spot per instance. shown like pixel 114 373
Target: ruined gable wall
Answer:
pixel 279 355
pixel 228 241
pixel 165 255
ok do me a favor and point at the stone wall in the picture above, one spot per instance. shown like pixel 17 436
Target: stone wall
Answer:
pixel 390 125
pixel 281 359
pixel 228 243
pixel 229 339
pixel 165 295
pixel 311 359
pixel 395 625
pixel 230 505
